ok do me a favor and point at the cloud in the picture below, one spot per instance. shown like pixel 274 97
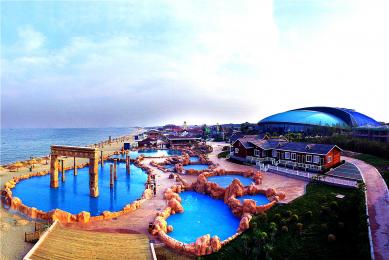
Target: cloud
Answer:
pixel 212 61
pixel 30 39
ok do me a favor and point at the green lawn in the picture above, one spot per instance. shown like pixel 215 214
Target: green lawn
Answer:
pixel 315 226
pixel 381 164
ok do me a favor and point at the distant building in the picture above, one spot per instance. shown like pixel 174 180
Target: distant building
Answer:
pixel 182 141
pixel 379 134
pixel 311 157
pixel 315 120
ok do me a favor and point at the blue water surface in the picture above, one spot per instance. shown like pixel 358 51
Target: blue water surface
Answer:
pixel 202 215
pixel 260 199
pixel 197 167
pixel 73 195
pixel 21 143
pixel 148 153
pixel 226 180
pixel 194 159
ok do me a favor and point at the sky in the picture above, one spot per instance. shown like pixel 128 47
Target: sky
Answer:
pixel 151 62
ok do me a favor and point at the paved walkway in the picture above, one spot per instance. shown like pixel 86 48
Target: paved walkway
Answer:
pixel 378 207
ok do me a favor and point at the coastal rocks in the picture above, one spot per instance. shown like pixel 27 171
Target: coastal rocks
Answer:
pixel 202 244
pixel 178 168
pixel 215 244
pixel 244 223
pixel 270 192
pixel 175 205
pixel 257 178
pixel 236 189
pixel 169 194
pixel 169 228
pixel 249 206
pixel 160 225
pixel 148 194
pixel 60 215
pixel 83 217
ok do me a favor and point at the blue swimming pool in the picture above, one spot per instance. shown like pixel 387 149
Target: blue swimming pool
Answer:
pixel 148 153
pixel 194 159
pixel 197 167
pixel 226 180
pixel 169 166
pixel 202 215
pixel 73 195
pixel 260 199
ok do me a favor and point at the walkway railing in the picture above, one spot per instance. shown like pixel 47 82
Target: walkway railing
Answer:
pixel 313 176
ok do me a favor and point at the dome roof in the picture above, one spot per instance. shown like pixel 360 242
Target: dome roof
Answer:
pixel 322 116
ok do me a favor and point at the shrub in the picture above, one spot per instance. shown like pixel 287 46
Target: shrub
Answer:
pixel 334 205
pixel 277 217
pixel 331 238
pixel 294 218
pixel 284 222
pixel 308 215
pixel 285 229
pixel 253 224
pixel 287 213
pixel 340 225
pixel 324 226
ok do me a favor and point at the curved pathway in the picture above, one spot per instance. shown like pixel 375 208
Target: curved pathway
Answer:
pixel 377 206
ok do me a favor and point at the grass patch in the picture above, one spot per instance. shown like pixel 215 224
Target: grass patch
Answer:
pixel 381 164
pixel 223 154
pixel 316 225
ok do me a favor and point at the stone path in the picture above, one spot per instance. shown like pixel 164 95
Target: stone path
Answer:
pixel 378 207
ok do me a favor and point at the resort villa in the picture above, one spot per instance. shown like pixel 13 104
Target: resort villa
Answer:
pixel 312 157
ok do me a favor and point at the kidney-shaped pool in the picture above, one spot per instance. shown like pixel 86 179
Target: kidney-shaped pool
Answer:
pixel 202 215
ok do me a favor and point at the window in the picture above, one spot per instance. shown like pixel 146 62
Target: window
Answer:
pixel 329 159
pixel 256 152
pixel 308 158
pixel 287 155
pixel 316 159
pixel 293 156
pixel 274 153
pixel 236 150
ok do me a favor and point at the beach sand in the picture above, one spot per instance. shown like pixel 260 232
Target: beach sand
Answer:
pixel 13 226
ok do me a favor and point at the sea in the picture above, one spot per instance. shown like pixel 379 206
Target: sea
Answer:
pixel 19 144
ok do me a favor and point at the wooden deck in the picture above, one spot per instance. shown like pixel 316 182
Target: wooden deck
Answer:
pixel 65 243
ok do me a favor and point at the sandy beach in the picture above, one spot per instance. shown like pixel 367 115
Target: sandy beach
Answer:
pixel 13 226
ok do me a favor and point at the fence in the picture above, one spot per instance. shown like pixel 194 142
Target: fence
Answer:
pixel 311 176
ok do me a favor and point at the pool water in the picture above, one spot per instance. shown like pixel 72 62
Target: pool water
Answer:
pixel 194 159
pixel 260 199
pixel 169 166
pixel 202 215
pixel 197 167
pixel 148 153
pixel 73 195
pixel 226 180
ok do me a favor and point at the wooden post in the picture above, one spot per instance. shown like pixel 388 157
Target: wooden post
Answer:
pixel 115 169
pixel 93 177
pixel 63 171
pixel 101 158
pixel 75 166
pixel 54 171
pixel 128 164
pixel 111 176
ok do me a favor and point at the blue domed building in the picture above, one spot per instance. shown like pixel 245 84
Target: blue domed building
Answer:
pixel 315 120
